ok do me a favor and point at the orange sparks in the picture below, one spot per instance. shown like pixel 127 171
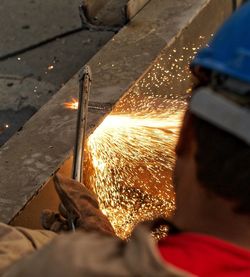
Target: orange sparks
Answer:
pixel 130 155
pixel 73 105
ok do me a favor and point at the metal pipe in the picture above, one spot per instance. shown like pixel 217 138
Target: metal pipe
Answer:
pixel 85 78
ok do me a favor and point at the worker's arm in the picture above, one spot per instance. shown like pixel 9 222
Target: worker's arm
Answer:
pixel 17 242
pixel 81 203
pixel 95 254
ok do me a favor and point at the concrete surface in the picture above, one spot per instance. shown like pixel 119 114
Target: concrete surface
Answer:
pixel 112 12
pixel 134 6
pixel 29 80
pixel 46 140
pixel 27 22
pixel 45 67
pixel 108 12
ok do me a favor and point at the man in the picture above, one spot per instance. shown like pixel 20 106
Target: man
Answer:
pixel 209 235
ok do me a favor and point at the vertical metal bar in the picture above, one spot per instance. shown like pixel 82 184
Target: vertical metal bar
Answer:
pixel 85 78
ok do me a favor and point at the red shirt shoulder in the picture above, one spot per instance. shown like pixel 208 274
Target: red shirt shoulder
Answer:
pixel 204 255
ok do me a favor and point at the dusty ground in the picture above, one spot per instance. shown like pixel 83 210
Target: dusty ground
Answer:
pixel 28 79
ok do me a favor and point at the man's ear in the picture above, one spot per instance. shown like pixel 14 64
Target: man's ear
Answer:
pixel 186 142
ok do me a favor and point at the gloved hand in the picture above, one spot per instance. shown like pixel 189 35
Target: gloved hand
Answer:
pixel 78 203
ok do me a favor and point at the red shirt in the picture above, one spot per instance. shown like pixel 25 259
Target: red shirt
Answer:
pixel 205 256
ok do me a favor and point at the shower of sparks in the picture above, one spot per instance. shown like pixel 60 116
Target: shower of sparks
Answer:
pixel 130 156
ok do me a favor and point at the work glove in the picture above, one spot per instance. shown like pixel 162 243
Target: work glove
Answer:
pixel 78 205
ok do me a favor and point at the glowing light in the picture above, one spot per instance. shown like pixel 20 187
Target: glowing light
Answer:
pixel 6 125
pixel 129 163
pixel 50 67
pixel 73 104
pixel 132 156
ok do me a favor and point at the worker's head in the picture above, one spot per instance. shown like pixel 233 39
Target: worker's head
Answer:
pixel 213 152
pixel 216 160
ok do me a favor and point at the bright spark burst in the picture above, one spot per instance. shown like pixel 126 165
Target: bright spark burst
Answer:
pixel 50 67
pixel 130 156
pixel 133 157
pixel 73 104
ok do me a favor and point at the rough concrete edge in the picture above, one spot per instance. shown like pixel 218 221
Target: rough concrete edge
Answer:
pixel 93 6
pixel 128 86
pixel 134 6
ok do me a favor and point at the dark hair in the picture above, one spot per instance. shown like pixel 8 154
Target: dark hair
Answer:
pixel 223 163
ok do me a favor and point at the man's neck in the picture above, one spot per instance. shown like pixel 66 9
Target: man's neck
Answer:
pixel 214 216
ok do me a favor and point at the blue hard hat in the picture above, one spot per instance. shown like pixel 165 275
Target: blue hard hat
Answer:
pixel 229 50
